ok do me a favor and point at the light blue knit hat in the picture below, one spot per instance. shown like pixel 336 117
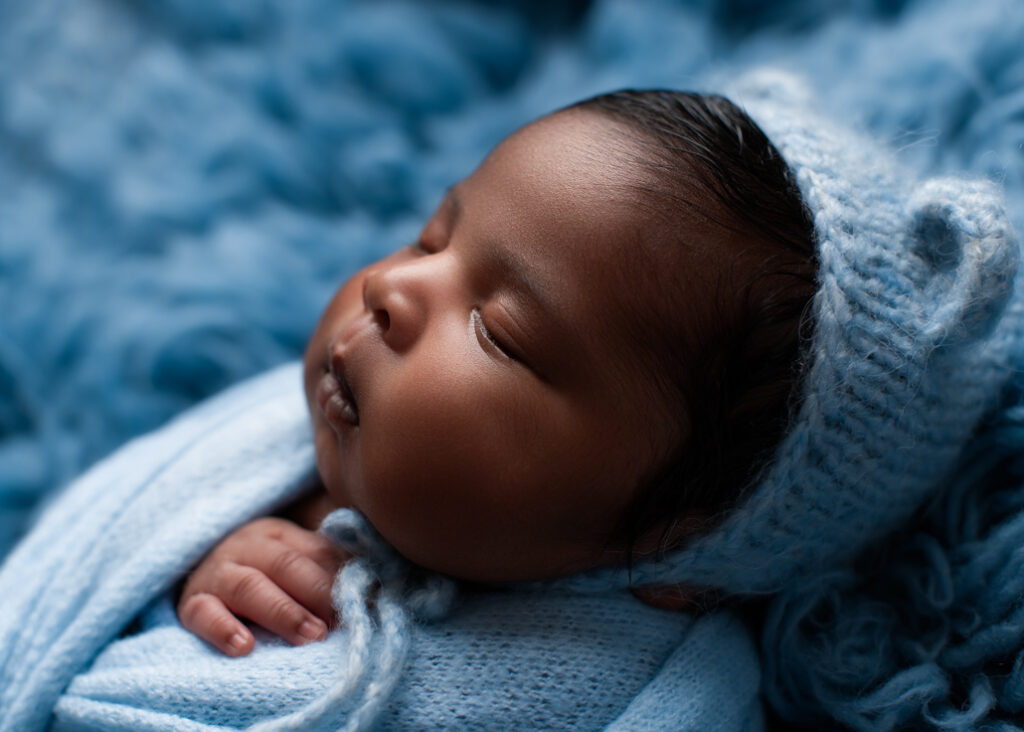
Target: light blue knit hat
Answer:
pixel 917 323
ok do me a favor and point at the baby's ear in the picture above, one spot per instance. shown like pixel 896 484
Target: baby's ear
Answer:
pixel 676 596
pixel 960 232
pixel 666 597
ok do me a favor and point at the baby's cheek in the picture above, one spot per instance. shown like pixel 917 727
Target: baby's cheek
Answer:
pixel 328 465
pixel 427 491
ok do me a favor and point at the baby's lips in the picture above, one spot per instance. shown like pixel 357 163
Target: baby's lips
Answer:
pixel 336 402
pixel 340 371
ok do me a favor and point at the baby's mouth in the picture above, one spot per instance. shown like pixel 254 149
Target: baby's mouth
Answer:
pixel 334 395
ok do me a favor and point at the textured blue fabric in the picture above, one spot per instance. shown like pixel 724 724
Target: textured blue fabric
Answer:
pixel 183 183
pixel 511 658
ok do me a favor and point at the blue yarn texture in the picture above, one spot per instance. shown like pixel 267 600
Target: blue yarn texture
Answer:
pixel 908 441
pixel 183 183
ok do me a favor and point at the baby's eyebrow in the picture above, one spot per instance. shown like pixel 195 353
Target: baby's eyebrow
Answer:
pixel 513 266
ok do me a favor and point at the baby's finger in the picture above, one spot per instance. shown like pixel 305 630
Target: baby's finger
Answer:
pixel 315 546
pixel 255 596
pixel 301 562
pixel 301 577
pixel 206 616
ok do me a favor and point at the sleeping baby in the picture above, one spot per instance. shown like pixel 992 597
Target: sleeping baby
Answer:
pixel 580 358
pixel 659 350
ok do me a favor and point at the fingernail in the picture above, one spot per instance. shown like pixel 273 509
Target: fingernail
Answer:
pixel 312 631
pixel 237 642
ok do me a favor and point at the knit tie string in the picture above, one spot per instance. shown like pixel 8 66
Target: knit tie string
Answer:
pixel 377 594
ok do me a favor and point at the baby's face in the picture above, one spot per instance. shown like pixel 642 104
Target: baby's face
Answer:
pixel 476 395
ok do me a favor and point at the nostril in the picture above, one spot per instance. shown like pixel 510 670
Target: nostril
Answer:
pixel 382 318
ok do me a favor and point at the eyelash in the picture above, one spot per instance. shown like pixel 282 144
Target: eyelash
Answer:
pixel 484 332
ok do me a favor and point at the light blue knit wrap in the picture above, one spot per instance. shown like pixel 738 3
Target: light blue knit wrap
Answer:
pixel 913 340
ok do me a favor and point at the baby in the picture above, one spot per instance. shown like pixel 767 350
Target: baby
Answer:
pixel 634 349
pixel 583 359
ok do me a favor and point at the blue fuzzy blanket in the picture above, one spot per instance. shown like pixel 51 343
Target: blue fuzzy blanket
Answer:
pixel 184 182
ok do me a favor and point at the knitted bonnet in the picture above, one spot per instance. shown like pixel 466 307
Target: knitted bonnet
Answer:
pixel 916 325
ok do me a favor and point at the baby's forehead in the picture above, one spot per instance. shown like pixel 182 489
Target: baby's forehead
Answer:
pixel 585 179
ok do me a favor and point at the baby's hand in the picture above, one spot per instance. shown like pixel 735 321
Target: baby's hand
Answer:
pixel 272 572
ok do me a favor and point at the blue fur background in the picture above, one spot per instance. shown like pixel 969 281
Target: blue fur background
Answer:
pixel 183 183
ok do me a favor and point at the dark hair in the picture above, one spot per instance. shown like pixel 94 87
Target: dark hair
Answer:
pixel 706 157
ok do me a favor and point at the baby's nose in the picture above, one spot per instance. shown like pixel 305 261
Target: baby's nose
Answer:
pixel 391 295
